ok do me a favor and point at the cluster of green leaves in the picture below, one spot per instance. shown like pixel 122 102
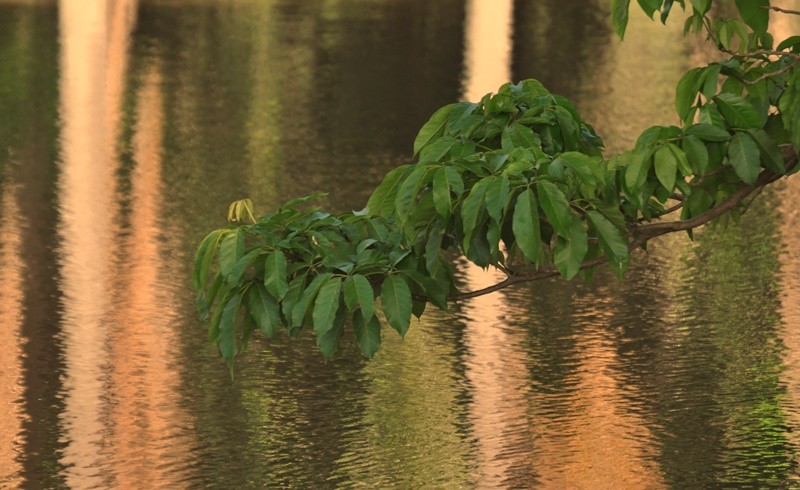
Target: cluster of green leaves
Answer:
pixel 516 181
pixel 770 66
pixel 306 267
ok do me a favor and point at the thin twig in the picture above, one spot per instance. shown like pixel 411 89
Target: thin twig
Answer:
pixel 782 10
pixel 772 73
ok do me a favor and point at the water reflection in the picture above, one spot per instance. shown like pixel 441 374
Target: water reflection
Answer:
pixel 94 42
pixel 169 110
pixel 11 443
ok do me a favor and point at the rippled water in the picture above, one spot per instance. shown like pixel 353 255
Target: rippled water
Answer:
pixel 127 126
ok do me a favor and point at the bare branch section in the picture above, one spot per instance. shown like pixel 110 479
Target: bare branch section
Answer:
pixel 783 10
pixel 639 234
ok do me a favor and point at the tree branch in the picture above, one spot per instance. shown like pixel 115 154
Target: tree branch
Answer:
pixel 783 10
pixel 641 234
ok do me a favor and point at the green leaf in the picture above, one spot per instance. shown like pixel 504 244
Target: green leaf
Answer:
pixel 235 275
pixel 275 274
pixel 665 10
pixel 497 197
pixel 650 6
pixel 436 150
pixel 518 136
pixel 432 247
pixel 264 309
pixel 708 132
pixel 619 16
pixel 227 329
pixel 582 165
pixel 441 193
pixel 396 302
pixel 569 252
pixel 296 289
pixel 680 158
pixel 555 206
pixel 754 14
pixel 738 112
pixel 744 157
pixel 696 153
pixel 368 333
pixel 789 42
pixel 666 165
pixel 409 189
pixel 203 258
pixel 471 208
pixel 638 169
pixel 686 92
pixel 702 6
pixel 770 153
pixel 433 128
pixel 231 249
pixel 381 202
pixel 300 309
pixel 326 305
pixel 612 242
pixel 525 226
pixel 358 291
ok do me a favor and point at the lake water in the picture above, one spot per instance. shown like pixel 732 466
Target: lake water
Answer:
pixel 127 127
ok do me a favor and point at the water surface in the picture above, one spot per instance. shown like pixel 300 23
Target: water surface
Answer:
pixel 126 127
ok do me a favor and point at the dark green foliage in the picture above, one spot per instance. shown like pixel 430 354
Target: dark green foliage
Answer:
pixel 515 181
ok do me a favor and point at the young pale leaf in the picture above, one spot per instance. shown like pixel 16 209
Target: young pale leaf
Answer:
pixel 568 254
pixel 525 226
pixel 441 193
pixel 381 202
pixel 738 112
pixel 433 128
pixel 619 16
pixel 326 305
pixel 744 157
pixel 358 291
pixel 396 302
pixel 264 309
pixel 612 242
pixel 755 14
pixel 368 333
pixel 275 274
pixel 666 167
pixel 555 206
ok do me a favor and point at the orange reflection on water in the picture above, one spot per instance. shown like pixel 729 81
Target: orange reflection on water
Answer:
pixel 11 382
pixel 145 419
pixel 94 38
pixel 487 54
pixel 603 443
